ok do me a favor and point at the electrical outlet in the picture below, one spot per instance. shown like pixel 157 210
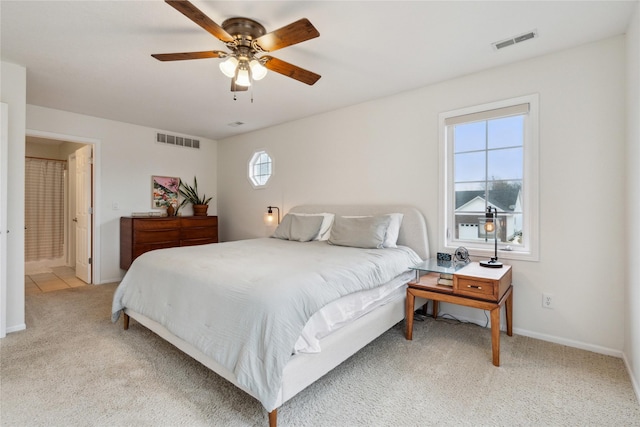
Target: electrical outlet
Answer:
pixel 115 206
pixel 547 300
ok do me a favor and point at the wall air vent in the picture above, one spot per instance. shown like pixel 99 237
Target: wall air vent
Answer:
pixel 515 39
pixel 181 141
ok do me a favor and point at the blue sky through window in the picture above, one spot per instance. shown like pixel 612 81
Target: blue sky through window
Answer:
pixel 489 150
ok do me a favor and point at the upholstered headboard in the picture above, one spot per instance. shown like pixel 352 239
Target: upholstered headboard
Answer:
pixel 413 232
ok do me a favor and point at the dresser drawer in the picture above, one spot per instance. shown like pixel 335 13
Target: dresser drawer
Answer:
pixel 194 242
pixel 199 233
pixel 199 221
pixel 475 288
pixel 155 223
pixel 158 235
pixel 142 248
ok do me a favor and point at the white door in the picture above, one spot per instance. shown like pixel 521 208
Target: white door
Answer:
pixel 71 208
pixel 4 166
pixel 84 213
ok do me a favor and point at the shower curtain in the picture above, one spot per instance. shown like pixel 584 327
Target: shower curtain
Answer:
pixel 44 209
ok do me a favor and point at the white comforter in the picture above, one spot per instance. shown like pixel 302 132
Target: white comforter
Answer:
pixel 245 303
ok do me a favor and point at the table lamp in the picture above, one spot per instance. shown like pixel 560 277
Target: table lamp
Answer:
pixel 491 225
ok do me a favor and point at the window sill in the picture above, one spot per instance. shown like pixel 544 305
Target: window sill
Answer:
pixel 502 254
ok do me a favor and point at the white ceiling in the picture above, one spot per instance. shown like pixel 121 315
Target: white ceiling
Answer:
pixel 93 57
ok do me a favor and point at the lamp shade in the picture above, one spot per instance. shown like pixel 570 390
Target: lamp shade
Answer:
pixel 270 218
pixel 243 78
pixel 258 71
pixel 489 226
pixel 228 67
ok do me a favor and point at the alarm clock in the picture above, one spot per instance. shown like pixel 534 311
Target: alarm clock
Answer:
pixel 442 256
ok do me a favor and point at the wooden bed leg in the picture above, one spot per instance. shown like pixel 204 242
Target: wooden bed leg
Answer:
pixel 125 321
pixel 273 418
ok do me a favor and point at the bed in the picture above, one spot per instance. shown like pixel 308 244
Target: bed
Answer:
pixel 271 355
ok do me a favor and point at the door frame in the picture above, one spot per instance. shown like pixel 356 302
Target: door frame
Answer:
pixel 4 151
pixel 95 218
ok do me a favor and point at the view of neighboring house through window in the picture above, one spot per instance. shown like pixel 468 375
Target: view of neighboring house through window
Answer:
pixel 490 163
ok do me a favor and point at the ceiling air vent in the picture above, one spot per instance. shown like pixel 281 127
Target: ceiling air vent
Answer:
pixel 515 39
pixel 180 141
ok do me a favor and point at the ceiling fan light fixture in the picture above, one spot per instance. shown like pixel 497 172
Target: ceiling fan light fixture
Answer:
pixel 246 39
pixel 229 66
pixel 258 71
pixel 243 74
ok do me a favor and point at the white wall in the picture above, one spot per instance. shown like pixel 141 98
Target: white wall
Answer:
pixel 632 237
pixel 386 151
pixel 128 157
pixel 13 91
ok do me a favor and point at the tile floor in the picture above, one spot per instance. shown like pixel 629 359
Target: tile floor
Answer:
pixel 59 278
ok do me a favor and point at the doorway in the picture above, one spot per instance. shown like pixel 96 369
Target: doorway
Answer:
pixel 66 260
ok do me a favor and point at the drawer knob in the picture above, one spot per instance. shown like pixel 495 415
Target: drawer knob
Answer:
pixel 474 287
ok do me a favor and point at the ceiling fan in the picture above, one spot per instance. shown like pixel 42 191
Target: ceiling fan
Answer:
pixel 247 41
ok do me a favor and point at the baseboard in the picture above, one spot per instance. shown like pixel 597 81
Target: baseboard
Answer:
pixel 544 337
pixel 109 281
pixel 634 383
pixel 570 343
pixel 16 328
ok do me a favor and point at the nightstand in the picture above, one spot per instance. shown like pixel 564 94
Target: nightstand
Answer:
pixel 473 286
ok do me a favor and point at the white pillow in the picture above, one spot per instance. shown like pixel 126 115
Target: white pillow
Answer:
pixel 359 232
pixel 325 228
pixel 298 228
pixel 393 231
pixel 391 238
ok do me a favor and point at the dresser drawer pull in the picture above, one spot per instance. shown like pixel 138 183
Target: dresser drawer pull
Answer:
pixel 474 287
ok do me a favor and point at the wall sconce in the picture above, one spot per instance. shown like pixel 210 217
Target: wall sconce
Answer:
pixel 269 218
pixel 491 225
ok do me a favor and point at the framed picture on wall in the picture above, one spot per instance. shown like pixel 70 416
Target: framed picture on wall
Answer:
pixel 164 191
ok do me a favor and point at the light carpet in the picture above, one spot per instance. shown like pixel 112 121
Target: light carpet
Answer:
pixel 73 367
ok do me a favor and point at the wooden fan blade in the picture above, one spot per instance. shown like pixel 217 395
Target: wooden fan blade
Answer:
pixel 294 33
pixel 196 15
pixel 237 88
pixel 290 70
pixel 189 55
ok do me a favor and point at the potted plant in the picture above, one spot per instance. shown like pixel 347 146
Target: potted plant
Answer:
pixel 190 194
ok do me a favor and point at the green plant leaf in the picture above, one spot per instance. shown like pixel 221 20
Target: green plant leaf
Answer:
pixel 190 194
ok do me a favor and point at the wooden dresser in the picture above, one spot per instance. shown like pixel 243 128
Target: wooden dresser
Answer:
pixel 143 234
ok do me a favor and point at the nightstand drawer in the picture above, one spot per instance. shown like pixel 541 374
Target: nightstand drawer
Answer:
pixel 475 288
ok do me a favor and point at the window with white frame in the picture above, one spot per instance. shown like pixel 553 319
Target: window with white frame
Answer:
pixel 490 159
pixel 260 168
